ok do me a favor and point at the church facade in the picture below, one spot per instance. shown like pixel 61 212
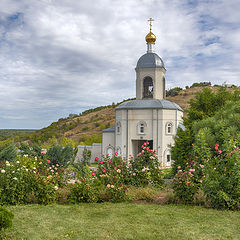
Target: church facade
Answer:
pixel 150 117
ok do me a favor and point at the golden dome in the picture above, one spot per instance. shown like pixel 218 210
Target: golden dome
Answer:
pixel 150 38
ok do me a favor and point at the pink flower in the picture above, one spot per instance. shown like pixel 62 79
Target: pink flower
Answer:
pixel 147 148
pixel 109 161
pixel 116 153
pixel 142 151
pixel 192 170
pixel 219 151
pixel 147 143
pixel 134 174
pixel 83 179
pixel 101 162
pixel 96 158
pixel 63 169
pixel 201 166
pixel 216 147
pixel 48 161
pixel 93 173
pixel 179 167
pixel 104 170
pixel 115 167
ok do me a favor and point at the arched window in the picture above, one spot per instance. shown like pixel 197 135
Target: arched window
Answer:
pixel 169 128
pixel 147 87
pixel 118 127
pixel 168 159
pixel 110 152
pixel 119 151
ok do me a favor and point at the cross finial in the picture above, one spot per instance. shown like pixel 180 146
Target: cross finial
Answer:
pixel 150 20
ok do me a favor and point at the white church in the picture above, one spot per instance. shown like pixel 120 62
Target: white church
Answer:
pixel 149 118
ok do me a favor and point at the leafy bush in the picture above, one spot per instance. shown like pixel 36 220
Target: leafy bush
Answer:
pixel 61 155
pixel 30 179
pixel 6 218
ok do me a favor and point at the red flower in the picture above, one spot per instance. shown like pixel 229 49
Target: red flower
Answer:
pixel 63 169
pixel 101 162
pixel 83 179
pixel 104 170
pixel 109 161
pixel 48 161
pixel 216 147
pixel 96 158
pixel 93 173
pixel 116 153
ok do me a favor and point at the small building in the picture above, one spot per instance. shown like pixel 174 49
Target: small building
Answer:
pixel 150 117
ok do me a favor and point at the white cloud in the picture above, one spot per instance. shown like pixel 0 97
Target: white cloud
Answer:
pixel 62 56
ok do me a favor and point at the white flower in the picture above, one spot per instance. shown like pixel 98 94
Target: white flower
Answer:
pixel 108 185
pixel 13 171
pixel 8 164
pixel 17 162
pixel 112 186
pixel 26 170
pixel 25 155
pixel 14 178
pixel 3 171
pixel 119 170
pixel 34 168
pixel 56 187
pixel 35 158
pixel 52 170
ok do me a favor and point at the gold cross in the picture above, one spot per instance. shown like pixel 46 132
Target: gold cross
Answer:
pixel 150 20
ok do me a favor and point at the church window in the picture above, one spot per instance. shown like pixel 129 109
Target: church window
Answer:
pixel 141 128
pixel 168 159
pixel 110 152
pixel 119 151
pixel 169 128
pixel 147 87
pixel 118 128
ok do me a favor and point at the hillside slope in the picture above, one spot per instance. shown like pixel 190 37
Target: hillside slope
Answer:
pixel 93 121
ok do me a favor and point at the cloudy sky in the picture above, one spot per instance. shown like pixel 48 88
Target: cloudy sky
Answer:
pixel 65 56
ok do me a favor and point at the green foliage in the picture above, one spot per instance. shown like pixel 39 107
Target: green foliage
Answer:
pixel 181 149
pixel 173 91
pixel 204 105
pixel 61 155
pixel 6 218
pixel 7 151
pixel 86 156
pixel 90 139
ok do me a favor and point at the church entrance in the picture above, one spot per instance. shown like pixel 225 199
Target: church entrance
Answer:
pixel 137 146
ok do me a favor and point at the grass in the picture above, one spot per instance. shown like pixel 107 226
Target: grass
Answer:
pixel 122 221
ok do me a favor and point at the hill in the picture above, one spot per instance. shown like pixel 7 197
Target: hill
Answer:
pixel 87 127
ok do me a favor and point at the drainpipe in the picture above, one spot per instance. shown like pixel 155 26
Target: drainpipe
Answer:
pixel 127 138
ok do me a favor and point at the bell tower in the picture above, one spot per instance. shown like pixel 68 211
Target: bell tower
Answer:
pixel 150 72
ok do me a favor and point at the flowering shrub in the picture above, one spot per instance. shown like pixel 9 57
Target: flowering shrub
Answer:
pixel 113 175
pixel 30 179
pixel 146 168
pixel 185 184
pixel 221 184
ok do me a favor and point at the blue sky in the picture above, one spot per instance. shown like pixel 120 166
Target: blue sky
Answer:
pixel 59 57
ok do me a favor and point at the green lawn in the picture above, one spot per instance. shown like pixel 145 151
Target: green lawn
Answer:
pixel 123 221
